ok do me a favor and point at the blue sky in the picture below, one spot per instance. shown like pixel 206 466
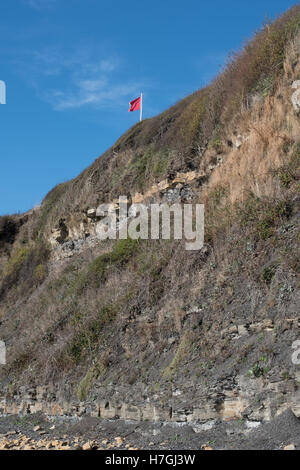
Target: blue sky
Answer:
pixel 72 66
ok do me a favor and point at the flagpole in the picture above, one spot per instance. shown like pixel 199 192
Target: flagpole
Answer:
pixel 141 108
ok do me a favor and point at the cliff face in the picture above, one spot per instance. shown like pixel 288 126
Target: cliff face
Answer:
pixel 145 329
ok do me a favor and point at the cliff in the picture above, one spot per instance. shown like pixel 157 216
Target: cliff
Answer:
pixel 145 329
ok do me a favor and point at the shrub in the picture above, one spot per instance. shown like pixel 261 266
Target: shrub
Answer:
pixel 268 273
pixel 8 230
pixel 98 270
pixel 40 273
pixel 257 371
pixel 92 374
pixel 263 215
pixel 290 172
pixel 26 268
pixel 88 336
pixel 16 262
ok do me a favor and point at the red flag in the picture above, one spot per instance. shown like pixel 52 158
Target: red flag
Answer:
pixel 135 105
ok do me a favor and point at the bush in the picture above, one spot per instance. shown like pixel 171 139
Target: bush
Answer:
pixel 40 273
pixel 290 172
pixel 263 215
pixel 92 374
pixel 97 271
pixel 268 273
pixel 8 230
pixel 88 334
pixel 26 268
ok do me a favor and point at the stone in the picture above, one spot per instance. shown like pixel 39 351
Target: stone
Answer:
pixel 90 445
pixel 64 443
pixel 295 407
pixel 191 175
pixel 238 141
pixel 242 330
pixel 131 412
pixel 91 213
pixel 233 408
pixel 55 443
pixel 290 447
pixel 138 198
pixel 37 428
pixel 165 184
pixel 253 424
pixel 296 95
pixel 180 178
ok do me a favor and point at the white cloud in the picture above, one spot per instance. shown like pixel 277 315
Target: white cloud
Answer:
pixel 78 78
pixel 40 4
pixel 99 93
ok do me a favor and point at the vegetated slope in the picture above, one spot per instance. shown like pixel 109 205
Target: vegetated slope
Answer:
pixel 149 312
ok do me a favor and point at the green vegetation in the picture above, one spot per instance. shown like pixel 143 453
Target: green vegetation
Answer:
pixel 92 374
pixel 257 371
pixel 88 335
pixel 257 68
pixel 49 205
pixel 16 262
pixel 26 268
pixel 8 231
pixel 263 215
pixel 98 269
pixel 182 352
pixel 290 172
pixel 264 86
pixel 40 273
pixel 268 273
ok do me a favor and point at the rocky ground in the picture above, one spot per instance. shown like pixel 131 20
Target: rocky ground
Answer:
pixel 40 432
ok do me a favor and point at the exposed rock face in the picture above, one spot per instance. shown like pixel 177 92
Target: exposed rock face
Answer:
pixel 68 239
pixel 245 397
pixel 59 234
pixel 252 396
pixel 296 95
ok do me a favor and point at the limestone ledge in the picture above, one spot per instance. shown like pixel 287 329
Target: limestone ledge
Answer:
pixel 252 399
pixel 237 331
pixel 71 237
